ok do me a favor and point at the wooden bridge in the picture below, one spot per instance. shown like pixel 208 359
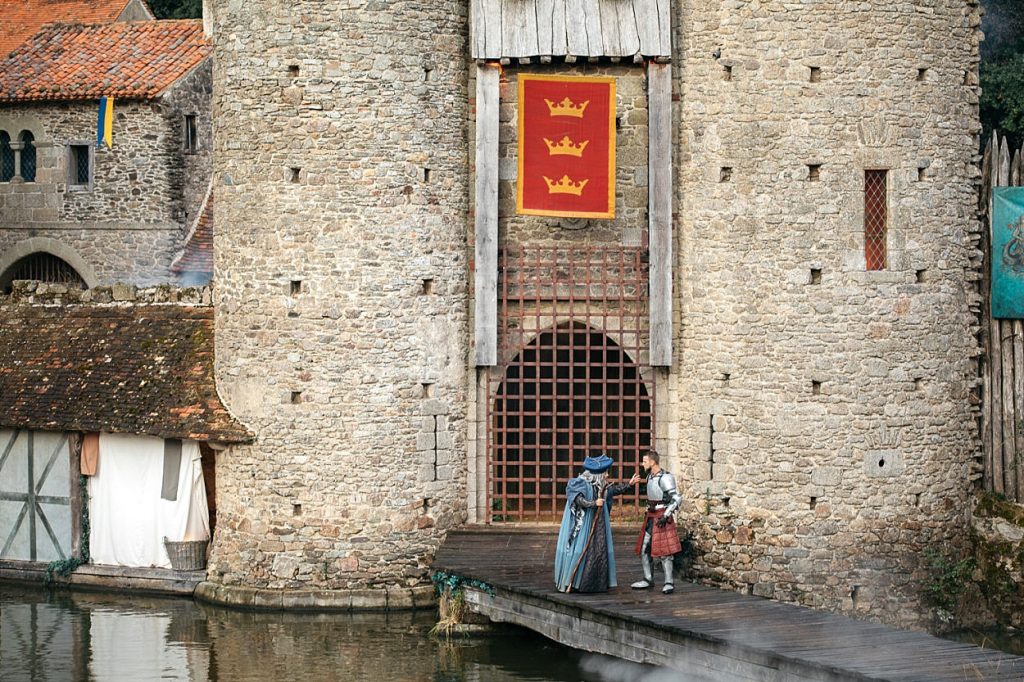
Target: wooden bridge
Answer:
pixel 706 633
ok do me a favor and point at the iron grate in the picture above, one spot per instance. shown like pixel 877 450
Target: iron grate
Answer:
pixel 569 384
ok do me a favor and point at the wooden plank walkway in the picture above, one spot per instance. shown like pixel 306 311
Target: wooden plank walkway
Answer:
pixel 707 633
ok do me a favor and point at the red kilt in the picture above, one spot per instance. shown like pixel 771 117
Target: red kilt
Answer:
pixel 664 540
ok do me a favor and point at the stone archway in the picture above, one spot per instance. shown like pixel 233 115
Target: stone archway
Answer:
pixel 570 392
pixel 35 245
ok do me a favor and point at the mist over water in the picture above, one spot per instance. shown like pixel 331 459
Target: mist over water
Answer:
pixel 97 636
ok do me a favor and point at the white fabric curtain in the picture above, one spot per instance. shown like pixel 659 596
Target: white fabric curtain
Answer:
pixel 128 519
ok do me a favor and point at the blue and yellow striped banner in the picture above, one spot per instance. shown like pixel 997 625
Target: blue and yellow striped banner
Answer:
pixel 105 123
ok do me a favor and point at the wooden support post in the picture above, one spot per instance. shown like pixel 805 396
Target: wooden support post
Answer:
pixel 659 155
pixel 1009 415
pixel 75 500
pixel 486 223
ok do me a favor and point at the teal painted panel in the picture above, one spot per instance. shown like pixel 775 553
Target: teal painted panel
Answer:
pixel 1008 252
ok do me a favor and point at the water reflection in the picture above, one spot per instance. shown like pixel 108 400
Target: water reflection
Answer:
pixel 86 636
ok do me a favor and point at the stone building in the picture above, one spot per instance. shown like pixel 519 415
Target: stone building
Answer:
pixel 71 211
pixel 782 304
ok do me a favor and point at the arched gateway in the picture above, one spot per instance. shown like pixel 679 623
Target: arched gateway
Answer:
pixel 569 392
pixel 569 381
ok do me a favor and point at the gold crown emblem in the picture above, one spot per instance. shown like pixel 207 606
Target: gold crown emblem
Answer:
pixel 566 147
pixel 566 108
pixel 565 186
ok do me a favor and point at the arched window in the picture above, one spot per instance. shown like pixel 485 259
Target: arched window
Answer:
pixel 28 157
pixel 6 157
pixel 42 267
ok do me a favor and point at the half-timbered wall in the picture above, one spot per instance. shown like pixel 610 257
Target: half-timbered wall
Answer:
pixel 35 496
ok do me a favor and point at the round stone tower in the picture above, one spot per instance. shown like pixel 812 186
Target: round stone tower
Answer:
pixel 341 202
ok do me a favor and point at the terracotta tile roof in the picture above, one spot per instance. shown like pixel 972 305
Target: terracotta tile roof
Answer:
pixel 142 369
pixel 196 259
pixel 21 19
pixel 128 60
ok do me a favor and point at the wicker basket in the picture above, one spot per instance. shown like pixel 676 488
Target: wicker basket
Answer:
pixel 187 555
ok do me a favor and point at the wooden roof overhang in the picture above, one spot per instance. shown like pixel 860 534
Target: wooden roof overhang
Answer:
pixel 503 30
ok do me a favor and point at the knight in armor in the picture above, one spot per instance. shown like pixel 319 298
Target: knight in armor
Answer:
pixel 584 556
pixel 658 538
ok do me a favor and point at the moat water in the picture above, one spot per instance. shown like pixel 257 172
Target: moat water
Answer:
pixel 61 635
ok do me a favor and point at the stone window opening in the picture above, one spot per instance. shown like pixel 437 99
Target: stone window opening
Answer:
pixel 191 134
pixel 815 276
pixel 922 74
pixel 725 175
pixel 726 72
pixel 28 156
pixel 813 172
pixel 80 166
pixel 6 157
pixel 875 218
pixel 815 74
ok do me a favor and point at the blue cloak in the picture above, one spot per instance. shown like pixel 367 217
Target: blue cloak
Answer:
pixel 570 560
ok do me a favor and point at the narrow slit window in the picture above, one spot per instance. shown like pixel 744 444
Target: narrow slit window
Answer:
pixel 79 166
pixel 28 156
pixel 6 157
pixel 875 218
pixel 191 133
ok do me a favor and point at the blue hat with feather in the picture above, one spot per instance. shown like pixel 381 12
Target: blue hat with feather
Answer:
pixel 598 465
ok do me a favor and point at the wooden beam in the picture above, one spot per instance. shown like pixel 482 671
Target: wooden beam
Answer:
pixel 646 12
pixel 576 28
pixel 546 26
pixel 659 202
pixel 486 212
pixel 664 28
pixel 1009 413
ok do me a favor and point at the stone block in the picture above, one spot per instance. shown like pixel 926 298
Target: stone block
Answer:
pixel 884 463
pixel 369 599
pixel 399 598
pixel 426 441
pixel 268 599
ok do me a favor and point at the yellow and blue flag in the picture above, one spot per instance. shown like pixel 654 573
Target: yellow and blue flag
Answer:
pixel 105 123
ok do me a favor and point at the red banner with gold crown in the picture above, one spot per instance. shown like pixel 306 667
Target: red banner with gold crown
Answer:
pixel 566 146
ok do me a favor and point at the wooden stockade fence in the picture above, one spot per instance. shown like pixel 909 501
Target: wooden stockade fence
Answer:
pixel 1002 364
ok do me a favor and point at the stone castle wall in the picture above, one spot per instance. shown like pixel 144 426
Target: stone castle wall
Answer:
pixel 341 169
pixel 819 415
pixel 826 432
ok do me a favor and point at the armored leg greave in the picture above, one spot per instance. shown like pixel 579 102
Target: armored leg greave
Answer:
pixel 645 559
